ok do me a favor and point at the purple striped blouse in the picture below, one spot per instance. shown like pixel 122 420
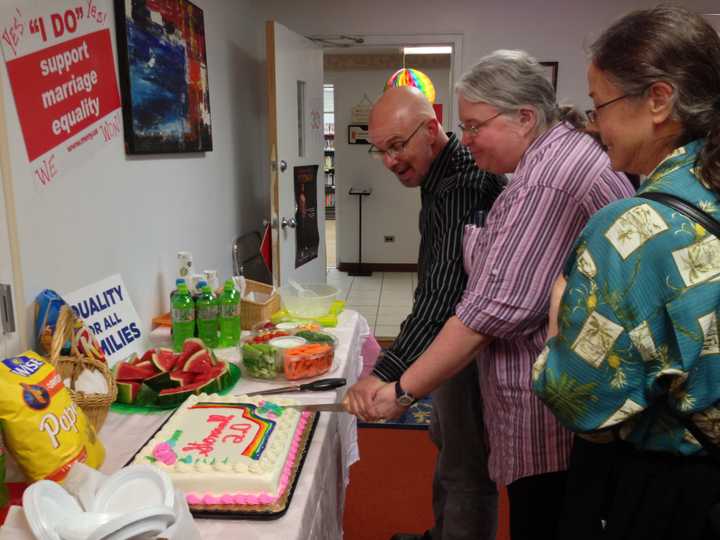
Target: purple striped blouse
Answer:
pixel 563 178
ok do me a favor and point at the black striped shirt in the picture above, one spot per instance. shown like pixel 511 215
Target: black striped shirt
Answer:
pixel 454 193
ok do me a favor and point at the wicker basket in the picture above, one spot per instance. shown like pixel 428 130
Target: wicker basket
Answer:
pixel 95 406
pixel 252 313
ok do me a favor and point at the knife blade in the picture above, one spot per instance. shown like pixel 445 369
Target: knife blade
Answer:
pixel 312 407
pixel 320 385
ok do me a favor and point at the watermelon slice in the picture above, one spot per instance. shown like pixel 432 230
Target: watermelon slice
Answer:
pixel 190 347
pixel 213 380
pixel 211 386
pixel 146 396
pixel 125 372
pixel 131 359
pixel 225 375
pixel 200 362
pixel 160 381
pixel 175 396
pixel 215 372
pixel 182 378
pixel 147 357
pixel 147 366
pixel 127 391
pixel 164 359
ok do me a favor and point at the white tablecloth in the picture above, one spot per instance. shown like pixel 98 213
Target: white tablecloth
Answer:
pixel 317 506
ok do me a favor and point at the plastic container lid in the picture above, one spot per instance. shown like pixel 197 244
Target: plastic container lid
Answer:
pixel 287 342
pixel 287 325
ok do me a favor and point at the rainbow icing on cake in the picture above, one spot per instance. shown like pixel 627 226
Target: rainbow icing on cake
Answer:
pixel 229 451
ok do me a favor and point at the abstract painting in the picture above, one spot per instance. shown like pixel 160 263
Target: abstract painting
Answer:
pixel 163 76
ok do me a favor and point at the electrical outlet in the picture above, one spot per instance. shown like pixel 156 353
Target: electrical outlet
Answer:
pixel 389 239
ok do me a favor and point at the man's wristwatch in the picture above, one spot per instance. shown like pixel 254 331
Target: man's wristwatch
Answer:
pixel 403 398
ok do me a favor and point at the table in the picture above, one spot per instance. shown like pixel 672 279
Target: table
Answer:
pixel 317 506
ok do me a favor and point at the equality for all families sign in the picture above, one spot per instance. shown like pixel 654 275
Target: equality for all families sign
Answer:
pixel 110 315
pixel 61 68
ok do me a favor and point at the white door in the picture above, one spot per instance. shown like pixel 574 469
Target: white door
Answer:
pixel 295 117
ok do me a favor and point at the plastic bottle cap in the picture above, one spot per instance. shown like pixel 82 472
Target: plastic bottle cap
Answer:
pixel 178 281
pixel 202 283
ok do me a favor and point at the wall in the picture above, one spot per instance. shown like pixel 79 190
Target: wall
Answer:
pixel 392 209
pixel 132 214
pixel 553 30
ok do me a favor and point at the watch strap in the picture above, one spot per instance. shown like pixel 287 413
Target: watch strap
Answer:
pixel 403 398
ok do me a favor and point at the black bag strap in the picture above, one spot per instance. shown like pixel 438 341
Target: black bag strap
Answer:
pixel 690 211
pixel 712 225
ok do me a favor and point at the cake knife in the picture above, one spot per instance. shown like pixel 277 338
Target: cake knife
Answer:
pixel 316 386
pixel 312 407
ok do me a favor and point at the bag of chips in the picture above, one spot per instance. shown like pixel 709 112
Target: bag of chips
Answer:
pixel 44 430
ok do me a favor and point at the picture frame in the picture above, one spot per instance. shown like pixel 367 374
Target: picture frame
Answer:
pixel 358 134
pixel 551 72
pixel 163 76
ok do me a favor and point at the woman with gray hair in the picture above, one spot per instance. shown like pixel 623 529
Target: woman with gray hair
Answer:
pixel 560 177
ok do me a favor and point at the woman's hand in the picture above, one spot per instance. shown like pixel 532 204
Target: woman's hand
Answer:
pixel 555 298
pixel 384 405
pixel 359 399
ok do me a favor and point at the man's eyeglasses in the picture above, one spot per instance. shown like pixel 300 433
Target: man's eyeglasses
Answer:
pixel 592 114
pixel 395 149
pixel 474 129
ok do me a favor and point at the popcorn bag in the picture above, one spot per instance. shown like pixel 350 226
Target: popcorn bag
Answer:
pixel 43 428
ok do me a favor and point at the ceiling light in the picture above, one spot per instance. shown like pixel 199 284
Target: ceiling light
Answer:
pixel 428 50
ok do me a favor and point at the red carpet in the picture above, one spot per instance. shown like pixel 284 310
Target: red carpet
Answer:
pixel 390 487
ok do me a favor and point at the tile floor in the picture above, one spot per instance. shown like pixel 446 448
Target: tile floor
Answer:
pixel 384 299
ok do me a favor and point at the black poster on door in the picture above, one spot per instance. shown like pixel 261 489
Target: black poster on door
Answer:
pixel 306 233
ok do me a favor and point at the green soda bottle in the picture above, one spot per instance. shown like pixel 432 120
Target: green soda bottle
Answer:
pixel 207 317
pixel 229 315
pixel 183 316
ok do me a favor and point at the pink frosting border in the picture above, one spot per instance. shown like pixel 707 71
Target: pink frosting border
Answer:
pixel 257 498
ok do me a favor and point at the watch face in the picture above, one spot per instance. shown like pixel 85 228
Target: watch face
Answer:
pixel 405 400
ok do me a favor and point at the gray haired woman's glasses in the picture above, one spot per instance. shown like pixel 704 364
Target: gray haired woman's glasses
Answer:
pixel 474 129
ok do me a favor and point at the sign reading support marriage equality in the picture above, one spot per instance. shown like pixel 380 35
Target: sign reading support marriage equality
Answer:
pixel 110 315
pixel 61 68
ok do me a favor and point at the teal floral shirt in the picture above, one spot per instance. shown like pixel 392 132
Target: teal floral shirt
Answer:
pixel 641 303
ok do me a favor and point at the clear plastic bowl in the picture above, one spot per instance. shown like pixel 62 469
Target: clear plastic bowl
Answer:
pixel 306 305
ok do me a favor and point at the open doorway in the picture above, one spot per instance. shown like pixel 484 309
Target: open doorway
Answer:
pixel 329 166
pixel 354 78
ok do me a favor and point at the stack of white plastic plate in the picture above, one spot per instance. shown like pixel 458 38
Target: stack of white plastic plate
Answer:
pixel 136 502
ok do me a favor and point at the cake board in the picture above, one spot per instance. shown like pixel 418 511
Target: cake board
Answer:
pixel 251 512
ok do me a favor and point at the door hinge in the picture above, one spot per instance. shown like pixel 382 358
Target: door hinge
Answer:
pixel 7 313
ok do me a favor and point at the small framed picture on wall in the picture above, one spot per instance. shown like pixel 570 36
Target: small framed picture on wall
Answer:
pixel 358 134
pixel 551 72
